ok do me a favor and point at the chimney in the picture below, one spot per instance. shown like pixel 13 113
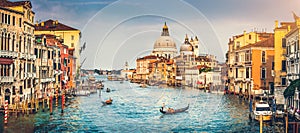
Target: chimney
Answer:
pixel 42 24
pixel 276 23
pixel 244 32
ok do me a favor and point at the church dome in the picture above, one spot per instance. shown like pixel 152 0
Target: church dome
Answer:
pixel 165 43
pixel 186 46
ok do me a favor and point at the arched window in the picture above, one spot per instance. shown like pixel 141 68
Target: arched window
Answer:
pixel 13 43
pixel 20 42
pixel 8 40
pixel 2 41
pixel 263 56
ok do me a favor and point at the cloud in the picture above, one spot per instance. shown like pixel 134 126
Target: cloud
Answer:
pixel 214 22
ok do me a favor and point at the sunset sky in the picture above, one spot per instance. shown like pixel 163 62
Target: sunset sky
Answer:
pixel 119 31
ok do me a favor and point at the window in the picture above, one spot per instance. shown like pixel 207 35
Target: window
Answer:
pixel 247 58
pixel 283 65
pixel 263 57
pixel 283 42
pixel 236 57
pixel 8 19
pixel 20 22
pixel 2 17
pixel 247 72
pixel 14 90
pixel 72 44
pixel 236 72
pixel 283 80
pixel 237 44
pixel 263 73
pixel 72 37
pixel 36 52
pixel 273 65
pixel 5 18
pixel 21 89
pixel 49 54
pixel 249 37
pixel 54 66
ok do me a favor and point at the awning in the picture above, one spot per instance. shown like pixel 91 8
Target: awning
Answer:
pixel 6 61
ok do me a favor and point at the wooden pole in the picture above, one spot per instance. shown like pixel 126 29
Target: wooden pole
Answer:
pixel 260 124
pixel 16 109
pixel 51 105
pixel 286 123
pixel 62 102
pixel 43 105
pixel 6 112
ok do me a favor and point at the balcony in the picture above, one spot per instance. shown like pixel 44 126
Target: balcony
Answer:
pixel 22 55
pixel 31 57
pixel 4 53
pixel 33 75
pixel 56 60
pixel 239 79
pixel 239 64
pixel 43 80
pixel 6 79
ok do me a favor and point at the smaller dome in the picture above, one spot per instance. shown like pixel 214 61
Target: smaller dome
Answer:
pixel 186 46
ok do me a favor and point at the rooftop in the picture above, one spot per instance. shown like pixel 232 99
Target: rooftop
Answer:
pixel 52 25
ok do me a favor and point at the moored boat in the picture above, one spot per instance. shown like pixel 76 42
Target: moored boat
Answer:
pixel 82 93
pixel 173 111
pixel 262 109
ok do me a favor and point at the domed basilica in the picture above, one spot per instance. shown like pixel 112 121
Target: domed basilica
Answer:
pixel 165 46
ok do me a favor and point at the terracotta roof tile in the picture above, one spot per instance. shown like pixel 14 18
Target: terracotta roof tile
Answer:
pixel 265 43
pixel 5 3
pixel 52 25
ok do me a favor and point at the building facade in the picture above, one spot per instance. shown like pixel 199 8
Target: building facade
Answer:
pixel 70 36
pixel 16 52
pixel 280 61
pixel 246 73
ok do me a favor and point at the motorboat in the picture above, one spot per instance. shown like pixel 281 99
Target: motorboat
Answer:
pixel 107 102
pixel 173 111
pixel 82 93
pixel 262 109
pixel 143 86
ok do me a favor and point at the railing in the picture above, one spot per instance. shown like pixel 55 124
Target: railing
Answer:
pixel 8 53
pixel 47 79
pixel 6 79
pixel 239 79
pixel 31 57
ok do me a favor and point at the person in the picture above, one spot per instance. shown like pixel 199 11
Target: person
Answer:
pixel 163 106
pixel 171 110
pixel 109 100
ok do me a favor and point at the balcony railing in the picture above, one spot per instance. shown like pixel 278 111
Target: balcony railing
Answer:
pixel 47 79
pixel 5 53
pixel 6 79
pixel 239 79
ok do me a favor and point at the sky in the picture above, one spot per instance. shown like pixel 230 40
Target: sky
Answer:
pixel 124 30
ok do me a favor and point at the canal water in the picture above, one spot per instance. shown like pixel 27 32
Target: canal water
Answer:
pixel 136 109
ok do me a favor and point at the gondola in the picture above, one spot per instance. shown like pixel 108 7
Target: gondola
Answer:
pixel 107 90
pixel 174 111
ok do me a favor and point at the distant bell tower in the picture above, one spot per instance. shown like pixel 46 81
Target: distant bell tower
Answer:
pixel 195 44
pixel 126 66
